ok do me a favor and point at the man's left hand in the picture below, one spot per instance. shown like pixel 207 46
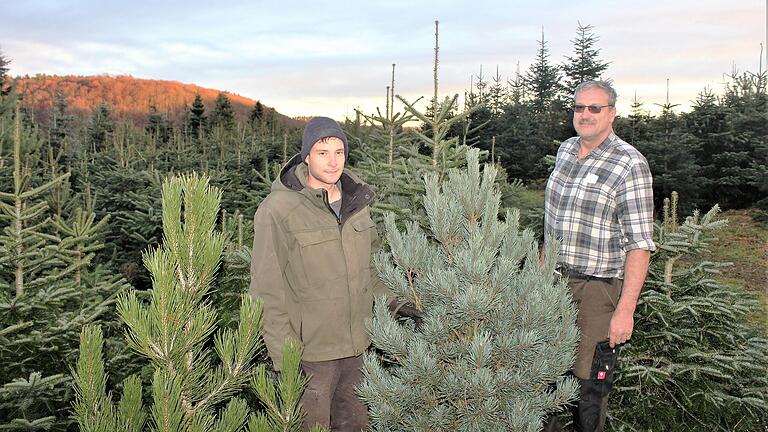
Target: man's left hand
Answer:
pixel 620 329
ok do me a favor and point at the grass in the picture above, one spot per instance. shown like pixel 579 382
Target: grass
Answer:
pixel 744 243
pixel 530 202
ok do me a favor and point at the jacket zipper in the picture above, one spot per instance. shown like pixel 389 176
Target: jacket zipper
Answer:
pixel 341 243
pixel 346 268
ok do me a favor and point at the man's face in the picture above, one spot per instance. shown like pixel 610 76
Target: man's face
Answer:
pixel 589 126
pixel 325 163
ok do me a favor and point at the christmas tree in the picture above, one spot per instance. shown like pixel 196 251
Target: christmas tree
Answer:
pixel 694 361
pixel 48 290
pixel 394 161
pixel 497 333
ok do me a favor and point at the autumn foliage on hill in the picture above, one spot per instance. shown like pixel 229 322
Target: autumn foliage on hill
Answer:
pixel 128 97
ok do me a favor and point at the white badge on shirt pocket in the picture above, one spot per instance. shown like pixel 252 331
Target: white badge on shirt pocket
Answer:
pixel 590 179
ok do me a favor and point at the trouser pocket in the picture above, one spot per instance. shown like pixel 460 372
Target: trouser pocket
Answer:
pixel 603 366
pixel 590 410
pixel 596 301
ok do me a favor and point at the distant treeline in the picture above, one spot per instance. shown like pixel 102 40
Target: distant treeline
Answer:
pixel 715 154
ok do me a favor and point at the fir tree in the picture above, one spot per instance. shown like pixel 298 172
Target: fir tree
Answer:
pixel 438 121
pixel 223 114
pixel 497 329
pixel 381 142
pixel 197 118
pixel 543 79
pixel 585 64
pixel 694 363
pixel 101 128
pixel 481 126
pixel 48 291
pixel 545 122
pixel 636 126
pixel 158 126
pixel 270 121
pixel 61 123
pixel 735 158
pixel 4 62
pixel 518 145
pixel 132 197
pixel 234 279
pixel 497 94
pixel 257 114
pixel 517 88
pixel 8 103
pixel 525 141
pixel 671 151
pixel 24 211
pixel 434 148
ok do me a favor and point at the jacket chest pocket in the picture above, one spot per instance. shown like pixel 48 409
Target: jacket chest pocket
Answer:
pixel 319 256
pixel 364 231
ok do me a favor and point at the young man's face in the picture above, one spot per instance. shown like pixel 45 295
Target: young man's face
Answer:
pixel 325 163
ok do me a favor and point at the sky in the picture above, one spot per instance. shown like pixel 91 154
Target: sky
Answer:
pixel 308 58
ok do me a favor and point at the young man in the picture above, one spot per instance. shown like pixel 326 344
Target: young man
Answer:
pixel 599 205
pixel 311 265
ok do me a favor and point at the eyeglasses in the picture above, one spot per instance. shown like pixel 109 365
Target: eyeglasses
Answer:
pixel 594 109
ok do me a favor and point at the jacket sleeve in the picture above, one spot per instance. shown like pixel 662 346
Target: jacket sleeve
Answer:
pixel 268 259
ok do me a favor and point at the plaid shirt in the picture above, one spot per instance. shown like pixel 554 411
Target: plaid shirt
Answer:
pixel 599 207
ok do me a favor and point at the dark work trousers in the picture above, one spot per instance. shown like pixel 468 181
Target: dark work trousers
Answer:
pixel 595 300
pixel 330 399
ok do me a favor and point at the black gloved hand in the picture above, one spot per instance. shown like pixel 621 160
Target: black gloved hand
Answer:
pixel 409 310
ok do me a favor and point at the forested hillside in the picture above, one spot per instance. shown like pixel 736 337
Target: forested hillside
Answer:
pixel 127 97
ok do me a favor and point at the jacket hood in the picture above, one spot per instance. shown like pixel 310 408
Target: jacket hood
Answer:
pixel 288 180
pixel 356 194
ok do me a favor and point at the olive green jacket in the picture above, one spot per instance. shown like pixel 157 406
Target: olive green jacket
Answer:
pixel 313 270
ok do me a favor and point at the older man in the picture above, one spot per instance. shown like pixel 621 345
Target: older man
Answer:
pixel 599 205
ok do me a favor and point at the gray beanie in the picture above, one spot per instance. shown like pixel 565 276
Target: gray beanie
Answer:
pixel 319 128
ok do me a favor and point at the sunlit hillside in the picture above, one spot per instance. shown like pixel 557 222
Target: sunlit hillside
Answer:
pixel 128 97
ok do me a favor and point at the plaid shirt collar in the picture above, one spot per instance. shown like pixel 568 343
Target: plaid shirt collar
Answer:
pixel 610 142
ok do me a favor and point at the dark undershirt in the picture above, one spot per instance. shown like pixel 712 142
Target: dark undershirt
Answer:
pixel 336 205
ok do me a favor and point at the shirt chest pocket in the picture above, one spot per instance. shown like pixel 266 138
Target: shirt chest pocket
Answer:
pixel 594 194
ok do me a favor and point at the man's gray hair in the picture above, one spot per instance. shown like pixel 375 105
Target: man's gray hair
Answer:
pixel 602 85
